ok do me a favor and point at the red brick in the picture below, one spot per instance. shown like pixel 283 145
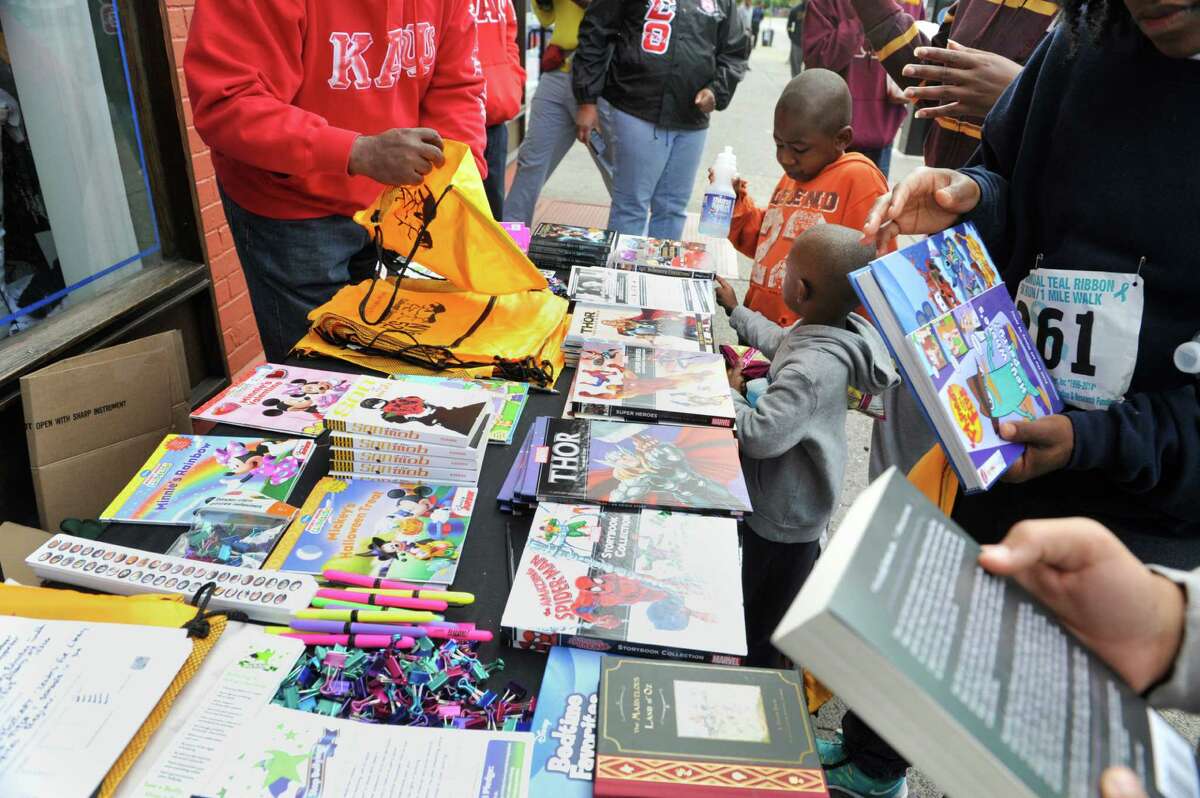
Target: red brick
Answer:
pixel 226 237
pixel 187 113
pixel 195 143
pixel 202 164
pixel 180 81
pixel 173 3
pixel 230 343
pixel 222 290
pixel 233 311
pixel 206 191
pixel 212 244
pixel 245 329
pixel 177 22
pixel 224 264
pixel 187 14
pixel 248 354
pixel 237 283
pixel 212 216
pixel 177 48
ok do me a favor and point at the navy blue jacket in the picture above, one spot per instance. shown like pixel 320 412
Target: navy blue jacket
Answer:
pixel 1093 161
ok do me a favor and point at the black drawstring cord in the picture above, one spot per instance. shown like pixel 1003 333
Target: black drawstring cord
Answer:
pixel 199 626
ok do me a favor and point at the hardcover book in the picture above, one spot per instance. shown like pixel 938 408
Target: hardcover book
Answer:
pixel 636 582
pixel 612 287
pixel 962 345
pixel 410 411
pixel 674 728
pixel 564 725
pixel 508 400
pixel 186 471
pixel 965 673
pixel 693 469
pixel 347 464
pixel 464 460
pixel 279 399
pixel 377 443
pixel 654 385
pixel 662 256
pixel 666 329
pixel 398 530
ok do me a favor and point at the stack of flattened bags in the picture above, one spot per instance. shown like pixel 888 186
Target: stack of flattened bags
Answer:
pixel 491 316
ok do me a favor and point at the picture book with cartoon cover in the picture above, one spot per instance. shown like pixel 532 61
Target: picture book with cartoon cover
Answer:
pixel 435 452
pixel 564 725
pixel 508 400
pixel 410 411
pixel 666 329
pixel 279 399
pixel 654 385
pixel 962 345
pixel 693 469
pixel 662 256
pixel 642 582
pixel 612 287
pixel 681 729
pixel 186 471
pixel 399 530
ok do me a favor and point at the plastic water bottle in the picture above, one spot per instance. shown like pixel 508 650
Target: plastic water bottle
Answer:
pixel 1187 356
pixel 717 210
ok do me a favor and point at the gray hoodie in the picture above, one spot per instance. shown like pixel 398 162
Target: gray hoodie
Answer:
pixel 793 442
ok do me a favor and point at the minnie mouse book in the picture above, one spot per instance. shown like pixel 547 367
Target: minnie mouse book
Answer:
pixel 411 411
pixel 393 530
pixel 642 582
pixel 185 472
pixel 279 399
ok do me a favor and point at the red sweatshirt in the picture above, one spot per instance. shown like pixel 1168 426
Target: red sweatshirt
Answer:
pixel 280 89
pixel 500 57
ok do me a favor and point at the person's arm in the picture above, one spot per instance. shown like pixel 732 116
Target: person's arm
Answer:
pixel 453 103
pixel 243 65
pixel 744 225
pixel 733 48
pixel 598 34
pixel 778 420
pixel 756 330
pixel 895 35
pixel 831 39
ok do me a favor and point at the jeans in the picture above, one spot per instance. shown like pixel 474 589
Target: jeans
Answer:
pixel 653 173
pixel 796 59
pixel 549 137
pixel 496 156
pixel 293 266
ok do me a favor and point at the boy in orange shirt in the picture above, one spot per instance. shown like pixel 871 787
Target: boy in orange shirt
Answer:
pixel 822 184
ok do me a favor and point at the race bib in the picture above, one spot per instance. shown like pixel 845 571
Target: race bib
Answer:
pixel 1085 325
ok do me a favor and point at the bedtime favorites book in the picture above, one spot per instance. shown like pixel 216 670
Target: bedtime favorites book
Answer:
pixel 399 530
pixel 601 286
pixel 564 725
pixel 962 345
pixel 278 398
pixel 412 411
pixel 693 469
pixel 662 256
pixel 655 385
pixel 679 729
pixel 643 582
pixel 187 471
pixel 668 329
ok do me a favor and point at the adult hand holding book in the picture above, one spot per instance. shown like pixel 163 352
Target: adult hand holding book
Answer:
pixel 926 201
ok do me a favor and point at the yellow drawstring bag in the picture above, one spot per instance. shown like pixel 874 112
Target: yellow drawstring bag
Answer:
pixel 935 478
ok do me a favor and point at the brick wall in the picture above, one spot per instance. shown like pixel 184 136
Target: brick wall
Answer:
pixel 242 346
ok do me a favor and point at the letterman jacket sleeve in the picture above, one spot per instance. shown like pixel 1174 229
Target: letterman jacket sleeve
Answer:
pixel 733 48
pixel 597 39
pixel 453 104
pixel 242 64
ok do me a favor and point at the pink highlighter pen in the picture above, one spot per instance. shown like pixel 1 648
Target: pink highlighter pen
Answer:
pixel 376 600
pixel 354 641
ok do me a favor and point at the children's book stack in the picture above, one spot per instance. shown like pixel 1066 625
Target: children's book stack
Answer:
pixel 662 256
pixel 410 430
pixel 561 246
pixel 663 329
pixel 278 399
pixel 508 400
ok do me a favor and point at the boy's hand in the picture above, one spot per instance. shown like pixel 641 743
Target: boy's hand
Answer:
pixel 740 186
pixel 967 84
pixel 926 201
pixel 736 381
pixel 726 297
pixel 1049 443
pixel 706 101
pixel 1129 616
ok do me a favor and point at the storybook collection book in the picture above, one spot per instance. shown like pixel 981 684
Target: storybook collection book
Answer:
pixel 962 345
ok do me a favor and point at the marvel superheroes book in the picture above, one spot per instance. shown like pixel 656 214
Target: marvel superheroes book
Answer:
pixel 666 329
pixel 692 469
pixel 646 583
pixel 411 411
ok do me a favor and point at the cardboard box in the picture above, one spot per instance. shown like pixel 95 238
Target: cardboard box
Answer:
pixel 16 543
pixel 92 420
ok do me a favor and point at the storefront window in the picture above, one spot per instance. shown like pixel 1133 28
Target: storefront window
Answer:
pixel 77 211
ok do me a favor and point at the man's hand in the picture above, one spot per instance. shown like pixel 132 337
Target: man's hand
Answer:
pixel 726 297
pixel 587 119
pixel 926 201
pixel 1121 783
pixel 1131 618
pixel 706 101
pixel 737 382
pixel 397 157
pixel 1049 443
pixel 969 81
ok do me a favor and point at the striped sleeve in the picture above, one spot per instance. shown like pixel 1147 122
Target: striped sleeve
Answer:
pixel 894 35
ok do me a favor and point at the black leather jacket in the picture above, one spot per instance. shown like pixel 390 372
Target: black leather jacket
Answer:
pixel 650 58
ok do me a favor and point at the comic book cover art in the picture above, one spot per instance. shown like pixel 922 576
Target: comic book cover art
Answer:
pixel 644 581
pixel 412 411
pixel 666 329
pixel 508 400
pixel 392 530
pixel 693 469
pixel 612 287
pixel 662 256
pixel 657 385
pixel 279 399
pixel 187 471
pixel 554 236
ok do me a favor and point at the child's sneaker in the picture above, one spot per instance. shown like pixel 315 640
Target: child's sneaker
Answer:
pixel 845 779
